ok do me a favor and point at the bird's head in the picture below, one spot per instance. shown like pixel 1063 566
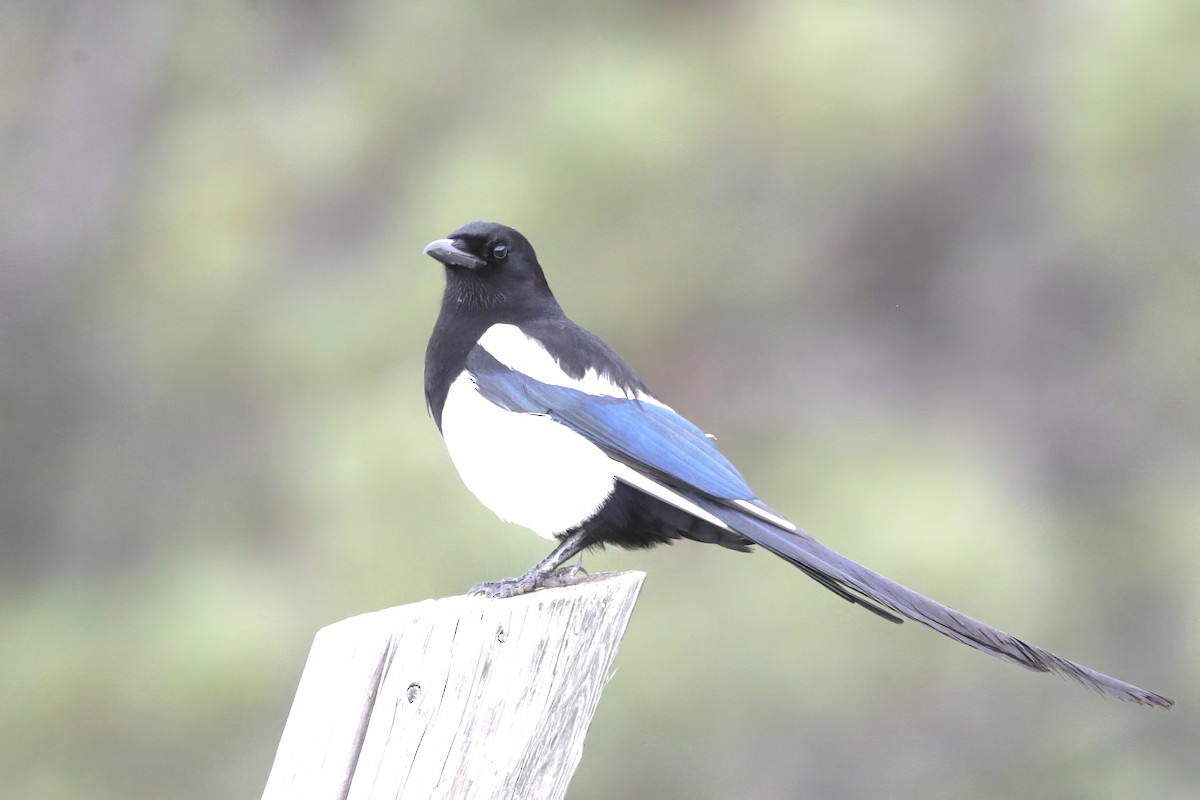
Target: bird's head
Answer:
pixel 490 265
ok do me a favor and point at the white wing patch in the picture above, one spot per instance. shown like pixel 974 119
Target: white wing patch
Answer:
pixel 764 515
pixel 509 345
pixel 629 475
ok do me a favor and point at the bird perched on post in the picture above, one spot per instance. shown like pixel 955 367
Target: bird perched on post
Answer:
pixel 551 430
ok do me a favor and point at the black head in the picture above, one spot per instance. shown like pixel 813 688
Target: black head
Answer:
pixel 490 265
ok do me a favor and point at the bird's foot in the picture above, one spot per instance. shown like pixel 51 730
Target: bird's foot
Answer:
pixel 563 576
pixel 512 587
pixel 507 587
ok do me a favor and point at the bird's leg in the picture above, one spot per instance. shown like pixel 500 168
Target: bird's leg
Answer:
pixel 545 573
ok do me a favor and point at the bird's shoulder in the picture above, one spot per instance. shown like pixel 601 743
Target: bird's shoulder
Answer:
pixel 580 355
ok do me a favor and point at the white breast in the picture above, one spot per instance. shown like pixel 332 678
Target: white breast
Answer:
pixel 526 468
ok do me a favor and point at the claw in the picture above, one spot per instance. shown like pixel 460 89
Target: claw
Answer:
pixel 512 587
pixel 508 587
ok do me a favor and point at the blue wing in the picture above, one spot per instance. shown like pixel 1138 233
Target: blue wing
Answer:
pixel 649 437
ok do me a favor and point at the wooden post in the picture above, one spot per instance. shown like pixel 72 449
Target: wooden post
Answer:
pixel 454 698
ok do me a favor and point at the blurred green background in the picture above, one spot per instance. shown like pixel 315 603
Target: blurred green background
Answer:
pixel 931 272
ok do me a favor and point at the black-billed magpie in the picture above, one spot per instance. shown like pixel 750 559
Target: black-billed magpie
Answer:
pixel 551 430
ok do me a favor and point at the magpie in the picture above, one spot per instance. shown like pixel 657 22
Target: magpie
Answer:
pixel 551 430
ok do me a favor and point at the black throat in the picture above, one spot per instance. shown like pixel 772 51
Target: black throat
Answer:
pixel 471 305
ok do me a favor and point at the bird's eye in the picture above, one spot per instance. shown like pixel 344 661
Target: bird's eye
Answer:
pixel 500 251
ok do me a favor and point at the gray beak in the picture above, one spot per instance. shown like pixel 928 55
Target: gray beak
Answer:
pixel 450 253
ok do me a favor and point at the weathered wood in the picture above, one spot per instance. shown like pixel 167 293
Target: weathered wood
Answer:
pixel 460 697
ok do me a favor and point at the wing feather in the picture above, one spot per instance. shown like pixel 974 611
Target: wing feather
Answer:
pixel 647 436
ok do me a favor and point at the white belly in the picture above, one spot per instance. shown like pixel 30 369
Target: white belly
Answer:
pixel 526 468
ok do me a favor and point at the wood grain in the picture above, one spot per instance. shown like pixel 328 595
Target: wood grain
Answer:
pixel 460 697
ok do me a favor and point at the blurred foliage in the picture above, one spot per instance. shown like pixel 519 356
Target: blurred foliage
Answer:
pixel 931 271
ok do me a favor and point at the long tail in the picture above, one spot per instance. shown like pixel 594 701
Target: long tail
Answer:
pixel 858 584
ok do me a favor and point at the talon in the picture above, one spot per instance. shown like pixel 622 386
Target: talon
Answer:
pixel 508 587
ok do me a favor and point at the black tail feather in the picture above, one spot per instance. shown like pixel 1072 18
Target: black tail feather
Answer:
pixel 856 583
